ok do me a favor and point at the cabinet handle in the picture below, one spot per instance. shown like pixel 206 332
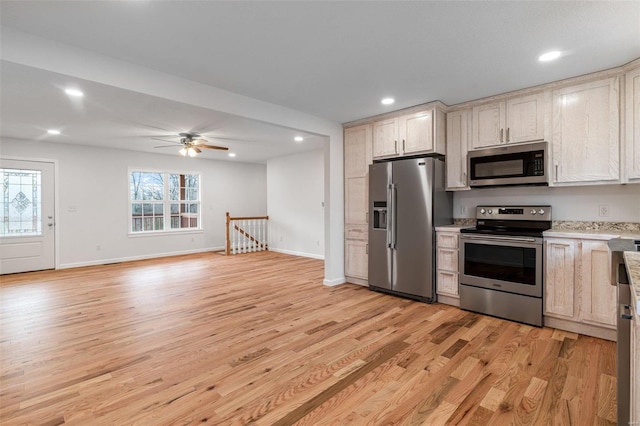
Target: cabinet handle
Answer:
pixel 501 135
pixel 507 134
pixel 395 147
pixel 366 248
pixel 367 218
pixel 555 179
pixel 403 148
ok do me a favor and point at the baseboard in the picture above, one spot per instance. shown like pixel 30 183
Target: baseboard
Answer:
pixel 297 253
pixel 132 258
pixel 449 300
pixel 586 329
pixel 358 281
pixel 336 281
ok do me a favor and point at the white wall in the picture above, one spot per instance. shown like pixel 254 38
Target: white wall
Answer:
pixel 580 203
pixel 295 197
pixel 45 54
pixel 94 183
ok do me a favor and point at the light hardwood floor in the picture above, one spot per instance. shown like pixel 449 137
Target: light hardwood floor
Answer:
pixel 257 338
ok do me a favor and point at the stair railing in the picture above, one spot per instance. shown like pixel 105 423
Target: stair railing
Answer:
pixel 246 234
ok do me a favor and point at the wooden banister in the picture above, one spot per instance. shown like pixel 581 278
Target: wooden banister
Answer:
pixel 236 235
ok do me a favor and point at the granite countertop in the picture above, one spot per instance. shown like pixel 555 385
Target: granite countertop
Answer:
pixel 632 260
pixel 594 230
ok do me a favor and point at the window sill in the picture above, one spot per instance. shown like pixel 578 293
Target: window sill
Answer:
pixel 161 233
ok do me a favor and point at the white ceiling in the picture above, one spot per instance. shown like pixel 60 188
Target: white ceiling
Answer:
pixel 331 59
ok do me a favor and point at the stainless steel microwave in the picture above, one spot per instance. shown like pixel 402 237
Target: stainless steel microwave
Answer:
pixel 523 164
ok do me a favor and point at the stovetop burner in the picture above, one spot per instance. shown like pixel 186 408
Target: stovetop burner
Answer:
pixel 528 221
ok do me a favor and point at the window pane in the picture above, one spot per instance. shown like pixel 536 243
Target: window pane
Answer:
pixel 157 209
pixel 136 209
pixel 21 202
pixel 147 209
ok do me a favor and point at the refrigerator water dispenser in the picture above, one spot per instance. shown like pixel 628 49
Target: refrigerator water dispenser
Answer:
pixel 379 215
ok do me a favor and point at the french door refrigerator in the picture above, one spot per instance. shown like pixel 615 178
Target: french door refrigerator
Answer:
pixel 407 200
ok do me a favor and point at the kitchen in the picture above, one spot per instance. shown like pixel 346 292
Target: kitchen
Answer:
pixel 588 129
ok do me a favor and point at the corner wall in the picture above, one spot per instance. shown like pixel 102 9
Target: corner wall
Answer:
pixel 295 204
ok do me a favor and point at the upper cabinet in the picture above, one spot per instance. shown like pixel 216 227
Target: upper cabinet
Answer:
pixel 515 120
pixel 458 129
pixel 585 137
pixel 385 138
pixel 632 119
pixel 421 132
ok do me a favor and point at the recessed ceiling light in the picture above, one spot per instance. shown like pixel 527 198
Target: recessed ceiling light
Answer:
pixel 232 154
pixel 53 132
pixel 74 92
pixel 387 101
pixel 549 56
pixel 298 139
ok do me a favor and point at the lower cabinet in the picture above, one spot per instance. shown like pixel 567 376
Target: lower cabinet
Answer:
pixel 447 265
pixel 578 295
pixel 634 416
pixel 356 256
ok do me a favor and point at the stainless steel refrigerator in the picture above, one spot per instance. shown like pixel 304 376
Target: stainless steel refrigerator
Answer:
pixel 407 199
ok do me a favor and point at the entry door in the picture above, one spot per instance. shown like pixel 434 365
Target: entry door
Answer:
pixel 27 231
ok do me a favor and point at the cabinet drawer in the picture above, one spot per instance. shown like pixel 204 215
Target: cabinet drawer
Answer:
pixel 356 233
pixel 448 259
pixel 447 240
pixel 447 283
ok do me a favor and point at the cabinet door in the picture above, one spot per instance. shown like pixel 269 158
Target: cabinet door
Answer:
pixel 356 259
pixel 632 120
pixel 488 125
pixel 599 303
pixel 559 273
pixel 457 148
pixel 385 138
pixel 525 119
pixel 357 151
pixel 416 132
pixel 634 415
pixel 357 157
pixel 585 132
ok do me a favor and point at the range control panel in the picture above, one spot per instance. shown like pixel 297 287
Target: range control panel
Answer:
pixel 514 212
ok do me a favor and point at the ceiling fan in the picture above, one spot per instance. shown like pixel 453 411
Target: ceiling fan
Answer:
pixel 191 144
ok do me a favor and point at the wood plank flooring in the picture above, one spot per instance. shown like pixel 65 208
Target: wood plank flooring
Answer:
pixel 257 339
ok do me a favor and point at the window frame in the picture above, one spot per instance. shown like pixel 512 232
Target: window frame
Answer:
pixel 166 203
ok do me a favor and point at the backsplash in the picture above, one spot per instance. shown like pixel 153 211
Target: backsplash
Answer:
pixel 464 222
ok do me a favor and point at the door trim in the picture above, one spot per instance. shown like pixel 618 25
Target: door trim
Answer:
pixel 56 204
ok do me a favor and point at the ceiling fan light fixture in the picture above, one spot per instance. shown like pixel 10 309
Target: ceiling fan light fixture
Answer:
pixel 183 151
pixel 193 151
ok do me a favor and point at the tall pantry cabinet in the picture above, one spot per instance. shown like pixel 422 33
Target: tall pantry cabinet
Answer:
pixel 357 158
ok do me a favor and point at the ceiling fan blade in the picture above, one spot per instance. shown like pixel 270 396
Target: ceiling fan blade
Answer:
pixel 222 148
pixel 165 146
pixel 228 138
pixel 167 140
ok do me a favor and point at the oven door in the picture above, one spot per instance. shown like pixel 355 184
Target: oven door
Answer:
pixel 503 263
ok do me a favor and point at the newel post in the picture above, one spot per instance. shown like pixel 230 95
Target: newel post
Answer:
pixel 227 249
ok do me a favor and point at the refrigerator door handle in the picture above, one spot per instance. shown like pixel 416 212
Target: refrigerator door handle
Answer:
pixel 394 204
pixel 390 215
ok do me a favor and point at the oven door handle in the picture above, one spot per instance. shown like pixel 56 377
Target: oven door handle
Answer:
pixel 502 239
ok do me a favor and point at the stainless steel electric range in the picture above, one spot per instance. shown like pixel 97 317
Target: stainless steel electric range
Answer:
pixel 501 262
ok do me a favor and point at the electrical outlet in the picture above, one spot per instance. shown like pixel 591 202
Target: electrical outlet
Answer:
pixel 603 210
pixel 463 209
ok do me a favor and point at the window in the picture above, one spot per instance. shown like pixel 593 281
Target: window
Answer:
pixel 164 201
pixel 21 202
